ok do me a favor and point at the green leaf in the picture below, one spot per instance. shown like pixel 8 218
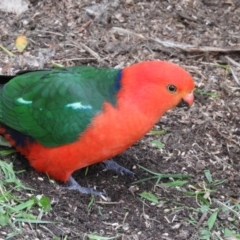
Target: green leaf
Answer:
pixel 227 233
pixel 204 208
pixel 9 175
pixel 149 196
pixel 214 95
pixel 33 221
pixel 21 206
pixel 91 201
pixel 225 67
pixel 157 132
pixel 45 203
pixel 158 176
pixel 4 220
pixel 212 219
pixel 14 209
pixel 204 234
pixel 56 65
pixel 4 142
pixel 93 236
pixel 158 144
pixel 7 152
pixel 24 217
pixel 208 175
pixel 176 183
pixel 6 51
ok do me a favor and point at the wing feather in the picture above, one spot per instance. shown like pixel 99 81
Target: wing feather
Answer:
pixel 55 106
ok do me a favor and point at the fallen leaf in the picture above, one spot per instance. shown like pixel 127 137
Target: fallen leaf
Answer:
pixel 21 43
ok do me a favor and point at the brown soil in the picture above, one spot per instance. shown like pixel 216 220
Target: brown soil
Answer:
pixel 205 137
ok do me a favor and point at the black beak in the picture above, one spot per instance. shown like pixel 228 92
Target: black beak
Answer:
pixel 183 104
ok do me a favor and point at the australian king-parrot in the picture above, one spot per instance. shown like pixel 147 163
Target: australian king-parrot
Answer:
pixel 65 119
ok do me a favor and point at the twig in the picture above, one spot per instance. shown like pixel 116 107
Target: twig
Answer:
pixel 203 217
pixel 88 49
pixel 232 61
pixel 94 54
pixel 182 46
pixel 6 51
pixel 218 236
pixel 74 59
pixel 56 65
pixel 125 216
pixel 127 32
pixel 55 33
pixel 234 75
pixel 229 208
pixel 109 203
pixel 191 48
pixel 236 64
pixel 195 69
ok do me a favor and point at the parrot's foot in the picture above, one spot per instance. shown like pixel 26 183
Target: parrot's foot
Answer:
pixel 111 165
pixel 73 185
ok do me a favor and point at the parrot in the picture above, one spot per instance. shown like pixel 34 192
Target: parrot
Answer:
pixel 65 119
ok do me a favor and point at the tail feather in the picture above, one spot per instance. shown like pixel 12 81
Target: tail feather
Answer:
pixel 5 79
pixel 14 137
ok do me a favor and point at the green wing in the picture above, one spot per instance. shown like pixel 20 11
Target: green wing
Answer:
pixel 55 106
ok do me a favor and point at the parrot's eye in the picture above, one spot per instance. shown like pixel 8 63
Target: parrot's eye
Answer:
pixel 171 88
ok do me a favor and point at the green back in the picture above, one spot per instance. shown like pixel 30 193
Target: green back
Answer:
pixel 55 106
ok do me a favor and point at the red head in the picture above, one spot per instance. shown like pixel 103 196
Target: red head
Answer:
pixel 156 86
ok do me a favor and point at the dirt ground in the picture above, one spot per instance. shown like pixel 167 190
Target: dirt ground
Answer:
pixel 202 36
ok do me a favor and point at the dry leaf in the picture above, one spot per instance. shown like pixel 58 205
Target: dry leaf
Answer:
pixel 21 43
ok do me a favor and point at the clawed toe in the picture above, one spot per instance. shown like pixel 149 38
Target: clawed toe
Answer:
pixel 73 185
